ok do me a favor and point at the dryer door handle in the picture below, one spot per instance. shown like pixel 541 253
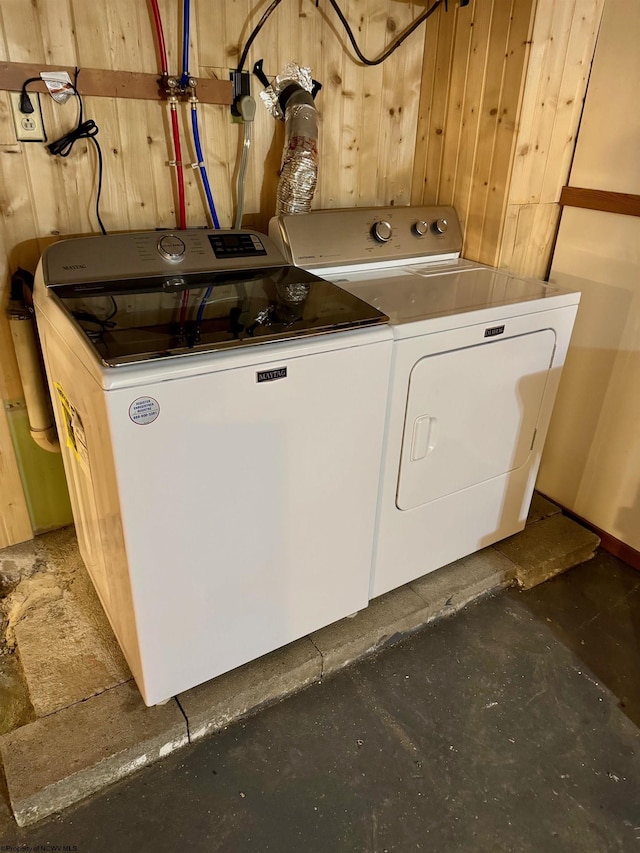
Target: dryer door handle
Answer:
pixel 425 434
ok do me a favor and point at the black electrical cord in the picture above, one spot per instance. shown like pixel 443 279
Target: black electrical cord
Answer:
pixel 25 101
pixel 394 44
pixel 255 32
pixel 387 53
pixel 84 130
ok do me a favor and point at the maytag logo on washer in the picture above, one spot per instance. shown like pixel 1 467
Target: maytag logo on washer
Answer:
pixel 493 331
pixel 270 375
pixel 144 410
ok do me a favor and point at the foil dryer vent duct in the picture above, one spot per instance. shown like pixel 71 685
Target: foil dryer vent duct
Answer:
pixel 289 97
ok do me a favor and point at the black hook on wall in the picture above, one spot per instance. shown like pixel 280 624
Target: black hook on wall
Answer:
pixel 258 70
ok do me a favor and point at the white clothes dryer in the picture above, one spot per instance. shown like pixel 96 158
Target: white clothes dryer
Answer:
pixel 478 354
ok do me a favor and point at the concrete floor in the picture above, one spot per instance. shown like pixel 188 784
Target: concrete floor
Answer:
pixel 510 727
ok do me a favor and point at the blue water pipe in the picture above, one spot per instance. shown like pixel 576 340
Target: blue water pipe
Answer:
pixel 184 79
pixel 202 306
pixel 202 167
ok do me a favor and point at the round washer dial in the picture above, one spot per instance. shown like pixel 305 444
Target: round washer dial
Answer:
pixel 171 247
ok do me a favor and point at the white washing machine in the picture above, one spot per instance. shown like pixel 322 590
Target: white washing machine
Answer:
pixel 222 417
pixel 477 359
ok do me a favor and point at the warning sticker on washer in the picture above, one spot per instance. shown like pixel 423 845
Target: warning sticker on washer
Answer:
pixel 74 428
pixel 144 410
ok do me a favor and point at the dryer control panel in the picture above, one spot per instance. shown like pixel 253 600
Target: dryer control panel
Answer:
pixel 362 235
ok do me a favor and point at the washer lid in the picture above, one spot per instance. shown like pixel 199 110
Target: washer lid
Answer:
pixel 150 318
pixel 412 293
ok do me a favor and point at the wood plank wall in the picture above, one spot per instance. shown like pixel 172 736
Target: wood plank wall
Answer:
pixel 562 47
pixel 500 107
pixel 437 122
pixel 474 69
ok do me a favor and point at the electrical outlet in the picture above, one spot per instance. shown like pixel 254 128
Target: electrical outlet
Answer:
pixel 29 126
pixel 241 86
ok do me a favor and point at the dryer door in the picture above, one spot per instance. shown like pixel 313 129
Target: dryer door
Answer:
pixel 471 415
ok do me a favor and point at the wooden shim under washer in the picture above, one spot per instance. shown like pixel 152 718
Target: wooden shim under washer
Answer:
pixel 109 84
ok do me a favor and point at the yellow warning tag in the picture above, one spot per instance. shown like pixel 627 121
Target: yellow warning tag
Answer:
pixel 74 428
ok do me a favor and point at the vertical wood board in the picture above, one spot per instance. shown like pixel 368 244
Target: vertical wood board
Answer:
pixel 557 73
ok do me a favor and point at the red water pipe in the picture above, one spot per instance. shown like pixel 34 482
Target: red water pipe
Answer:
pixel 181 202
pixel 160 34
pixel 177 150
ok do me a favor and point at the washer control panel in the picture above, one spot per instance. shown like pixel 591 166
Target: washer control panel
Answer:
pixel 155 253
pixel 324 238
pixel 236 244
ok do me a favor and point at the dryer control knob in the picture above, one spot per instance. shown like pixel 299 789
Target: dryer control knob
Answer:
pixel 171 247
pixel 420 228
pixel 440 226
pixel 381 231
